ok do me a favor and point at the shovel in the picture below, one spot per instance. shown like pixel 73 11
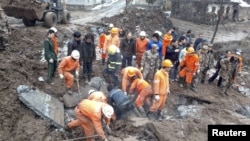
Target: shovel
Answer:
pixel 78 86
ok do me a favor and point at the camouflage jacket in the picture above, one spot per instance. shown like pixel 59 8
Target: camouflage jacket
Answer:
pixel 150 61
pixel 226 68
pixel 4 27
pixel 206 60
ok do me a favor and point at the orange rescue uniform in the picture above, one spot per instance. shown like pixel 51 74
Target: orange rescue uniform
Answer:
pixel 166 41
pixel 98 96
pixel 190 64
pixel 161 87
pixel 102 38
pixel 89 116
pixel 126 79
pixel 143 89
pixel 141 47
pixel 111 40
pixel 55 43
pixel 67 65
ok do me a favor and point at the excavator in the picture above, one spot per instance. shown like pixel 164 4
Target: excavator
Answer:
pixel 50 12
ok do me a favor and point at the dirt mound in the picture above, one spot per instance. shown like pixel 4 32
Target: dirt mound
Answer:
pixel 149 20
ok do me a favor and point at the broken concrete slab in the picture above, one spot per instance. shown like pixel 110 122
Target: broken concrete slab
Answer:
pixel 46 106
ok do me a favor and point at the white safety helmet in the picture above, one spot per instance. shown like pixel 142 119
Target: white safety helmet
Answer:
pixel 91 91
pixel 111 25
pixel 75 54
pixel 54 29
pixel 158 32
pixel 142 33
pixel 108 111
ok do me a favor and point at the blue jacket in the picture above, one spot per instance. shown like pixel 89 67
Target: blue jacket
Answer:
pixel 159 50
pixel 116 98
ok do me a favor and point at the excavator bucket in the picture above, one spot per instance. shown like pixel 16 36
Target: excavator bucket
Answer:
pixel 28 9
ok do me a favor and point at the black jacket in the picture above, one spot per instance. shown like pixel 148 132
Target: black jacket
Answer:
pixel 127 47
pixel 87 52
pixel 72 45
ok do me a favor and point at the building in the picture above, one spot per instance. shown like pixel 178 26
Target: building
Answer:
pixel 207 11
pixel 83 4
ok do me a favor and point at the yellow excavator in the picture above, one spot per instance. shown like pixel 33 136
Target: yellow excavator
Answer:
pixel 50 12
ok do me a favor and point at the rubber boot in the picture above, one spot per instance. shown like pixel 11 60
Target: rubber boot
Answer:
pixel 159 116
pixel 181 82
pixel 103 61
pixel 137 113
pixel 151 115
pixel 142 111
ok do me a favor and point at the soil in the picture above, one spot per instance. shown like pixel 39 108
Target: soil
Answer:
pixel 187 113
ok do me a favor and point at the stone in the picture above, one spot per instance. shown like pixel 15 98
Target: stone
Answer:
pixel 44 105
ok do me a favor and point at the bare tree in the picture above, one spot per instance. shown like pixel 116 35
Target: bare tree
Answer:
pixel 220 13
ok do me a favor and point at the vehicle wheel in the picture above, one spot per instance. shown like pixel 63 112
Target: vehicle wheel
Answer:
pixel 50 19
pixel 66 17
pixel 27 22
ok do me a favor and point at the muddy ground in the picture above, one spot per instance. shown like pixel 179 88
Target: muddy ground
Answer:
pixel 187 114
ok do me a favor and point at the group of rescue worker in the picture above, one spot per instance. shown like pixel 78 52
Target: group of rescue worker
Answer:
pixel 143 87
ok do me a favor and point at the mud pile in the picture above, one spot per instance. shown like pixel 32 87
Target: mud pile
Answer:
pixel 149 20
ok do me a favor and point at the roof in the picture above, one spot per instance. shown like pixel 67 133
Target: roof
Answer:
pixel 241 3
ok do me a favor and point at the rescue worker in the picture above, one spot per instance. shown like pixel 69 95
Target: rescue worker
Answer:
pixel 172 53
pixel 54 40
pixel 97 96
pixel 121 102
pixel 189 69
pixel 127 48
pixel 137 31
pixel 217 67
pixel 150 63
pixel 226 73
pixel 181 43
pixel 75 43
pixel 113 65
pixel 67 65
pixel 127 75
pixel 156 40
pixel 89 116
pixel 112 39
pixel 144 91
pixel 161 90
pixel 102 37
pixel 166 42
pixel 141 46
pixel 50 55
pixel 188 37
pixel 4 31
pixel 88 56
pixel 206 61
pixel 238 55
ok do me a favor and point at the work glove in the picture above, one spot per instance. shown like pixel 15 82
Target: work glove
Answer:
pixel 157 97
pixel 51 60
pixel 134 57
pixel 162 58
pixel 77 74
pixel 198 71
pixel 141 68
pixel 125 93
pixel 61 76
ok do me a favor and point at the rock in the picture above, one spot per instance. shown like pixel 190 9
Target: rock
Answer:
pixel 40 79
pixel 23 89
pixel 243 83
pixel 241 88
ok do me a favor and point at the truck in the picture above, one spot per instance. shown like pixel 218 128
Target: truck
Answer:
pixel 50 12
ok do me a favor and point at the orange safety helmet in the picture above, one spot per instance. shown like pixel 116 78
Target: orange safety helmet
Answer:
pixel 167 63
pixel 131 72
pixel 114 30
pixel 190 50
